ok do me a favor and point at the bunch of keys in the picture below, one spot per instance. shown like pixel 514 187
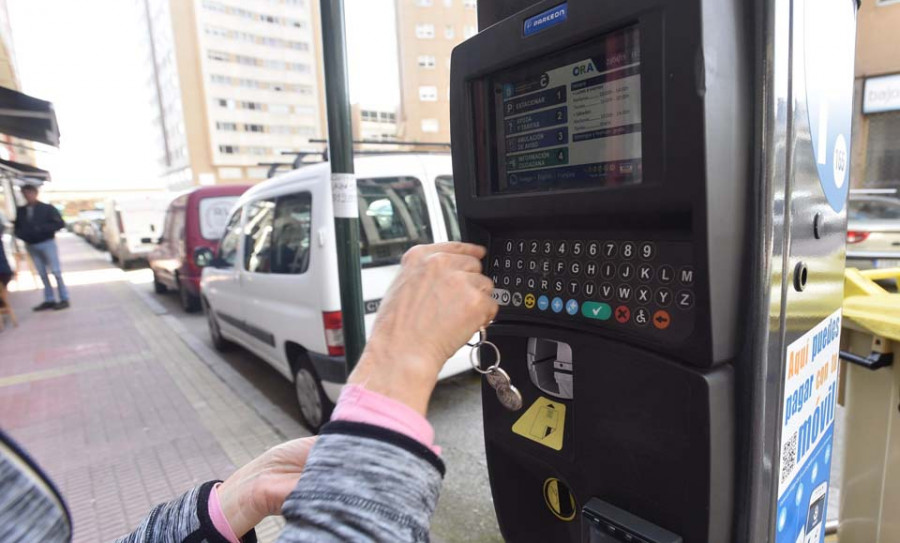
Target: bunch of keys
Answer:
pixel 509 395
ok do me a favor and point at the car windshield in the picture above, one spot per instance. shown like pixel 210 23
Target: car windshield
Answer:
pixel 393 217
pixel 447 196
pixel 873 209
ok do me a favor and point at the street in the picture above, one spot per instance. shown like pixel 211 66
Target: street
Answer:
pixel 126 404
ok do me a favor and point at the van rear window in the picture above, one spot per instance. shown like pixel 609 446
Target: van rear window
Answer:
pixel 393 217
pixel 214 215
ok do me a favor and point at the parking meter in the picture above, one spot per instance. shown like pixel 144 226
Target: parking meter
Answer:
pixel 661 187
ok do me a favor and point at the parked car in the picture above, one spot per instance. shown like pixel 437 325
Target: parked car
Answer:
pixel 873 232
pixel 133 226
pixel 272 286
pixel 81 224
pixel 93 233
pixel 193 220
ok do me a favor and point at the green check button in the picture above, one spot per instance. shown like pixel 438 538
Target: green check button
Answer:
pixel 595 310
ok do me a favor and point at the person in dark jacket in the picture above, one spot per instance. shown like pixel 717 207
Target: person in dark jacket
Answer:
pixel 36 225
pixel 372 474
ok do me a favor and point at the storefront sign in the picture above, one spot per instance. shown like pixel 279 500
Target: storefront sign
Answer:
pixel 881 94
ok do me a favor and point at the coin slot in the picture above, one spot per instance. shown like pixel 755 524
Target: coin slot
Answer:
pixel 550 367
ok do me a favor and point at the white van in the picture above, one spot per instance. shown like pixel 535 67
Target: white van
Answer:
pixel 134 225
pixel 273 287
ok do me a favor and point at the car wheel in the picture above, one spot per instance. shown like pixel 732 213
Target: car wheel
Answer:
pixel 215 333
pixel 189 302
pixel 315 406
pixel 158 287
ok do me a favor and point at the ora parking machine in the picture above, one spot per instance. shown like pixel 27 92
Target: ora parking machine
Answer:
pixel 661 185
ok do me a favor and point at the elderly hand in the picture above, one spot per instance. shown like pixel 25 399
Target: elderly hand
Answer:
pixel 439 299
pixel 259 489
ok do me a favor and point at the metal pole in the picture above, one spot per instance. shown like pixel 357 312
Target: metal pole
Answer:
pixel 343 180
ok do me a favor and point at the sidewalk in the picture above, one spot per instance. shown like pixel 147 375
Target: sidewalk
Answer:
pixel 114 405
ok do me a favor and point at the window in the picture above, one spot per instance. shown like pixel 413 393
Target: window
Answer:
pixel 214 214
pixel 873 209
pixel 254 128
pixel 425 31
pixel 393 218
pixel 293 216
pixel 428 94
pixel 258 237
pixel 283 109
pixel 228 247
pixel 228 149
pixel 426 61
pixel 430 125
pixel 227 127
pixel 449 32
pixel 447 197
pixel 218 55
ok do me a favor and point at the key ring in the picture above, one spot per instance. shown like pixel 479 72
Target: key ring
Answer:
pixel 476 351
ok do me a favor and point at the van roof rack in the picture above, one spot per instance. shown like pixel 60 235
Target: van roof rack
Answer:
pixel 300 156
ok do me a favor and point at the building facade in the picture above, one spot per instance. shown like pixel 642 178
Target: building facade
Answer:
pixel 876 108
pixel 427 32
pixel 232 84
pixel 11 148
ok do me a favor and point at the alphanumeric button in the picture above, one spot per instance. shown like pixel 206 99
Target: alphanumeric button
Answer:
pixel 628 250
pixel 606 291
pixel 531 282
pixel 641 316
pixel 647 250
pixel 610 249
pixel 665 274
pixel 534 247
pixel 545 285
pixel 559 286
pixel 507 263
pixel 684 299
pixel 547 247
pixel 577 248
pixel 495 263
pixel 643 294
pixel 645 273
pixel 686 276
pixel 509 245
pixel 590 289
pixel 520 264
pixel 495 278
pixel 574 287
pixel 626 271
pixel 593 248
pixel 559 267
pixel 575 267
pixel 506 280
pixel 591 269
pixel 562 248
pixel 532 265
pixel 624 292
pixel 520 246
pixel 546 266
pixel 518 281
pixel 608 270
pixel 663 297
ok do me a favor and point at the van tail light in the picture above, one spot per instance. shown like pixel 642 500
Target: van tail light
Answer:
pixel 334 332
pixel 856 236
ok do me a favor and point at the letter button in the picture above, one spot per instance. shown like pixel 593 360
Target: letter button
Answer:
pixel 507 263
pixel 623 293
pixel 663 297
pixel 608 270
pixel 546 266
pixel 607 291
pixel 506 281
pixel 560 267
pixel 626 271
pixel 574 288
pixel 645 273
pixel 684 299
pixel 591 269
pixel 590 289
pixel 532 283
pixel 665 274
pixel 686 276
pixel 520 264
pixel 495 263
pixel 559 286
pixel 518 281
pixel 533 266
pixel 575 267
pixel 643 294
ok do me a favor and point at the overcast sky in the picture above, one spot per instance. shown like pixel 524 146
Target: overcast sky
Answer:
pixel 83 56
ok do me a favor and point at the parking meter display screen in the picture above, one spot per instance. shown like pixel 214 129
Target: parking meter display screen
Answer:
pixel 572 121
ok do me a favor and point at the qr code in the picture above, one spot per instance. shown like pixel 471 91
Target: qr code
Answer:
pixel 789 457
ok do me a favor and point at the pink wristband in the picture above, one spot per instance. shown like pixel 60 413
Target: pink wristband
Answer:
pixel 358 404
pixel 218 517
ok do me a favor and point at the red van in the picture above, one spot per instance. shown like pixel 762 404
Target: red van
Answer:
pixel 193 220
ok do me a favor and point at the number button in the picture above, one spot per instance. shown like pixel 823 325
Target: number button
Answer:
pixel 593 249
pixel 684 299
pixel 648 250
pixel 665 274
pixel 509 246
pixel 645 273
pixel 686 276
pixel 608 270
pixel 547 247
pixel 534 247
pixel 520 246
pixel 628 250
pixel 562 247
pixel 626 272
pixel 575 268
pixel 577 248
pixel 610 249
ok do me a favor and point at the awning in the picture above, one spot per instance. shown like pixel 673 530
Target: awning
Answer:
pixel 23 172
pixel 29 118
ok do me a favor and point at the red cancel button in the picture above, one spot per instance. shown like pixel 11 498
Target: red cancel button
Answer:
pixel 623 314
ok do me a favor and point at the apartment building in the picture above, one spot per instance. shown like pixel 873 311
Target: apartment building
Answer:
pixel 876 109
pixel 11 148
pixel 232 84
pixel 427 32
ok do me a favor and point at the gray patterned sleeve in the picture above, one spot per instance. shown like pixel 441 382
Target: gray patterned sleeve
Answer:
pixel 364 483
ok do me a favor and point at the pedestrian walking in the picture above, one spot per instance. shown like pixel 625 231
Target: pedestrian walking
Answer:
pixel 36 225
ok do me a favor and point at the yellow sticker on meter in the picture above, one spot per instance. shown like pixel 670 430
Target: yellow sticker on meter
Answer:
pixel 559 499
pixel 544 422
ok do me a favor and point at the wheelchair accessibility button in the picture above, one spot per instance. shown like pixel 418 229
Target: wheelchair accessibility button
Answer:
pixel 501 296
pixel 556 305
pixel 543 303
pixel 595 310
pixel 529 301
pixel 572 307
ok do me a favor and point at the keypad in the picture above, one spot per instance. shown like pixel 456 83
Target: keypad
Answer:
pixel 645 286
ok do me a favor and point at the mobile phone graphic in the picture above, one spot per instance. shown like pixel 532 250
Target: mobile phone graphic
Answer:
pixel 815 521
